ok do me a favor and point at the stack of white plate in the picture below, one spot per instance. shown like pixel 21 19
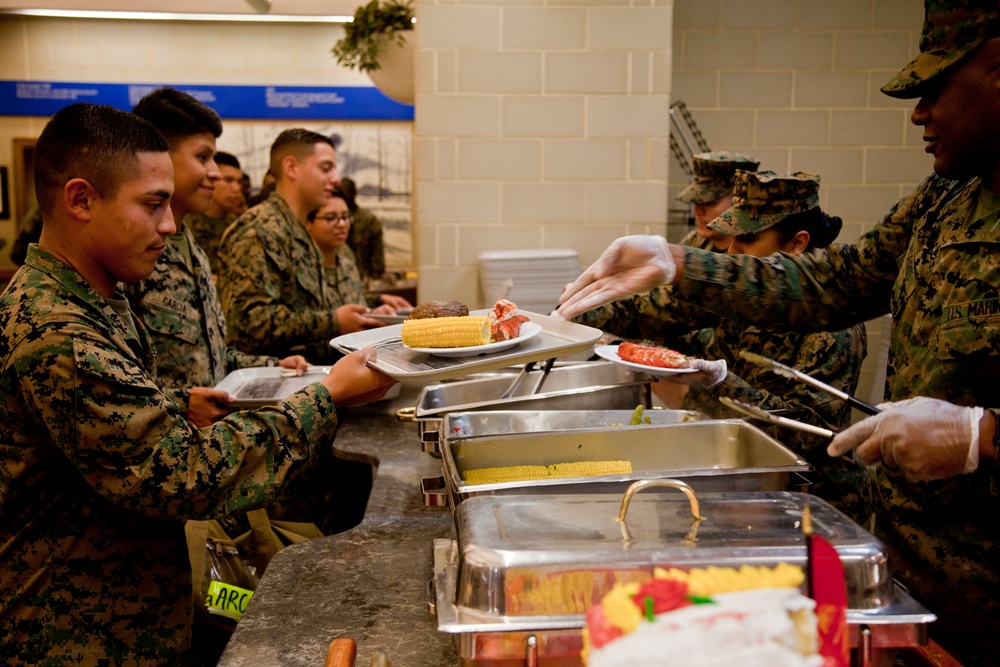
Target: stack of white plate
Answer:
pixel 537 276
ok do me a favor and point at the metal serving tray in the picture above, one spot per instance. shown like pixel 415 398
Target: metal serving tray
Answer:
pixel 516 583
pixel 558 338
pixel 257 387
pixel 710 455
pixel 597 385
pixel 462 425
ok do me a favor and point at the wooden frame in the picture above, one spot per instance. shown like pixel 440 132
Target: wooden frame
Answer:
pixel 24 179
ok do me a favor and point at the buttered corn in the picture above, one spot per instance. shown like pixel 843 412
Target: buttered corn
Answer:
pixel 589 468
pixel 504 474
pixel 556 470
pixel 446 332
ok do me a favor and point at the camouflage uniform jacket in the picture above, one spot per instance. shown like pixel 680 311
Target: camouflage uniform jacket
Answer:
pixel 693 240
pixel 938 273
pixel 272 286
pixel 98 469
pixel 365 239
pixel 208 232
pixel 344 279
pixel 834 358
pixel 179 306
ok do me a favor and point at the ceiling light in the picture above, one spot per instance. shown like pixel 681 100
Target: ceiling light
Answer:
pixel 170 16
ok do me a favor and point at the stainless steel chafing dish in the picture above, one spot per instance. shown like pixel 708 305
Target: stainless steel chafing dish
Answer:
pixel 516 583
pixel 710 455
pixel 596 385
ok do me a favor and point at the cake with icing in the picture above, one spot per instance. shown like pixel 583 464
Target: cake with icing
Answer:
pixel 754 616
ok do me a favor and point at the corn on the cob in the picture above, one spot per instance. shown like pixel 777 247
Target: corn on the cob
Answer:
pixel 589 468
pixel 504 474
pixel 556 470
pixel 446 332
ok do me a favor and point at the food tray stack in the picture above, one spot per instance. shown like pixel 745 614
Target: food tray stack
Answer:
pixel 537 276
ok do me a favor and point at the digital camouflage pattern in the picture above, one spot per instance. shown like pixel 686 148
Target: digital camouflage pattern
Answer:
pixel 952 30
pixel 345 279
pixel 272 288
pixel 208 233
pixel 693 240
pixel 834 358
pixel 763 199
pixel 98 470
pixel 937 272
pixel 365 239
pixel 713 175
pixel 180 308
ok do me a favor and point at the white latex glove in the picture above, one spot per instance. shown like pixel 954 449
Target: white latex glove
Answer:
pixel 923 438
pixel 710 374
pixel 630 265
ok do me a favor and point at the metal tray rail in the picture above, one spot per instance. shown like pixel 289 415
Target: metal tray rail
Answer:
pixel 710 455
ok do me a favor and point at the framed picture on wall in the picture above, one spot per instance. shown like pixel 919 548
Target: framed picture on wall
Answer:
pixel 4 195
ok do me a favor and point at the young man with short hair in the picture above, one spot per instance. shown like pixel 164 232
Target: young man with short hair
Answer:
pixel 98 466
pixel 227 205
pixel 178 302
pixel 272 283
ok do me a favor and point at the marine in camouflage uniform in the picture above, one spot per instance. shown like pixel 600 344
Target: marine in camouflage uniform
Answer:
pixel 99 469
pixel 273 290
pixel 208 233
pixel 936 271
pixel 180 308
pixel 762 200
pixel 344 279
pixel 365 239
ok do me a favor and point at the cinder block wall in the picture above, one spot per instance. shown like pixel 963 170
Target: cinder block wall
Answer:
pixel 538 125
pixel 795 83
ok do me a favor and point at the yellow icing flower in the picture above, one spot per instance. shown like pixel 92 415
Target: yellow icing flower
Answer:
pixel 618 608
pixel 714 580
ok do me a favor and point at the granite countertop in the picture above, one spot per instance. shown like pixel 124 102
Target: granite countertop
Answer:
pixel 368 583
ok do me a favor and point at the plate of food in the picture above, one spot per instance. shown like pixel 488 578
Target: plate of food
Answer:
pixel 650 359
pixel 398 318
pixel 446 329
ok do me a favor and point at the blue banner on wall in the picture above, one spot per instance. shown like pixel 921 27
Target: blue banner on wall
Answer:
pixel 44 98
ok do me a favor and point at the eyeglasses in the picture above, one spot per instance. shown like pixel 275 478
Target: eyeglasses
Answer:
pixel 334 218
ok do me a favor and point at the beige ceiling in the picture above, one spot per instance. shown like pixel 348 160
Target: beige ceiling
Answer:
pixel 294 7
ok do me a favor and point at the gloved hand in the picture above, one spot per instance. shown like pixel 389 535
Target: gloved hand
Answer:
pixel 710 374
pixel 923 438
pixel 630 265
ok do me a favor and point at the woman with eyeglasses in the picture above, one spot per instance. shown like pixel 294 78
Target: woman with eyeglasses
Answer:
pixel 329 227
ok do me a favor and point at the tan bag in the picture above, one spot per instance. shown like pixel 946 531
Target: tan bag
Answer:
pixel 267 537
pixel 225 571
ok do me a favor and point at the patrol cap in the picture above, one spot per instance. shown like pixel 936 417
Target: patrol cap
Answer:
pixel 952 30
pixel 713 175
pixel 762 199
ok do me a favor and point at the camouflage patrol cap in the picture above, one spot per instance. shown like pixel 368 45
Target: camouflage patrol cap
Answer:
pixel 713 175
pixel 762 199
pixel 952 30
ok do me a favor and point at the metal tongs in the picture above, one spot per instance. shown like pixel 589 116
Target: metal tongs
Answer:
pixel 524 373
pixel 764 415
pixel 789 372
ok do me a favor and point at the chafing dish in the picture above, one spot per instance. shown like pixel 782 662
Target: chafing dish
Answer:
pixel 710 455
pixel 586 386
pixel 516 583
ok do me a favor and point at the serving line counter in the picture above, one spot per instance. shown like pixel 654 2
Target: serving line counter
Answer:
pixel 368 583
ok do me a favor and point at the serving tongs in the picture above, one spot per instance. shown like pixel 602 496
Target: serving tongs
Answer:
pixel 524 373
pixel 764 415
pixel 794 374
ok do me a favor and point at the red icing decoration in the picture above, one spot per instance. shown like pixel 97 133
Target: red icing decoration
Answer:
pixel 666 595
pixel 601 632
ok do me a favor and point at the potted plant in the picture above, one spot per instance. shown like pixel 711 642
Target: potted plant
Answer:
pixel 376 26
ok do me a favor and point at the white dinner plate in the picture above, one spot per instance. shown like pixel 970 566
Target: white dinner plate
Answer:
pixel 610 352
pixel 528 331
